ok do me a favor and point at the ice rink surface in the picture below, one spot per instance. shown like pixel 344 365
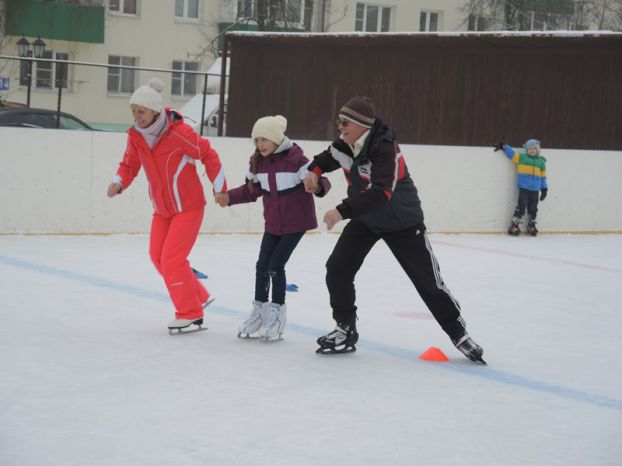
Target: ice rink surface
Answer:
pixel 90 375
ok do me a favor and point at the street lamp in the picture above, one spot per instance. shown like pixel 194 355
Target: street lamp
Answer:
pixel 23 49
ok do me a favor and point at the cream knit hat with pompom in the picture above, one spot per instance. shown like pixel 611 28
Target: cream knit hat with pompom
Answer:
pixel 271 128
pixel 148 95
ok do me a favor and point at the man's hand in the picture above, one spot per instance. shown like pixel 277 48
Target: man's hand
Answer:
pixel 331 218
pixel 311 182
pixel 114 189
pixel 499 146
pixel 222 199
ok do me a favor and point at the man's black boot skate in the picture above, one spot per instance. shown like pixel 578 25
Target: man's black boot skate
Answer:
pixel 469 348
pixel 340 340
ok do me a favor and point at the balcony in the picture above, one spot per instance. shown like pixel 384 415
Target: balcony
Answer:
pixel 79 21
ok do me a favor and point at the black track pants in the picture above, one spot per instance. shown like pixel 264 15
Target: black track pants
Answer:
pixel 414 253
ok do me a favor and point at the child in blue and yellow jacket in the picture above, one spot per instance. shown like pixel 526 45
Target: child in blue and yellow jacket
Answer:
pixel 531 182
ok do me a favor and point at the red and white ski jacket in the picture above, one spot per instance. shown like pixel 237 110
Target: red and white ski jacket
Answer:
pixel 170 167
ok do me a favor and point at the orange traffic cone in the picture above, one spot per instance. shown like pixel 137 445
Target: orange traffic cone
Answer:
pixel 434 354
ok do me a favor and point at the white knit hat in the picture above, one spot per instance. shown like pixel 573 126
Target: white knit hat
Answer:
pixel 148 95
pixel 271 128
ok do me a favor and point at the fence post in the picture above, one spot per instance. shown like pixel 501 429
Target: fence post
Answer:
pixel 59 84
pixel 203 107
pixel 223 86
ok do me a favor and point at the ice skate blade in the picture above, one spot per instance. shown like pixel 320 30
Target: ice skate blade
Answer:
pixel 187 329
pixel 476 359
pixel 329 350
pixel 279 337
pixel 248 336
pixel 177 331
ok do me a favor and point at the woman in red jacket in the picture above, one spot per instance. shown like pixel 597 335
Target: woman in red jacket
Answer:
pixel 168 149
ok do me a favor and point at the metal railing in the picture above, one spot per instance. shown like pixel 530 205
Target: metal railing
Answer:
pixel 223 76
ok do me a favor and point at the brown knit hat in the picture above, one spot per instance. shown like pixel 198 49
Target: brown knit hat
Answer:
pixel 360 110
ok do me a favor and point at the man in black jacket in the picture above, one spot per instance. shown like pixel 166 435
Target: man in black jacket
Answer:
pixel 382 203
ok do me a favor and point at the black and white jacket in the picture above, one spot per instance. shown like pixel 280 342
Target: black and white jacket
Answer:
pixel 381 193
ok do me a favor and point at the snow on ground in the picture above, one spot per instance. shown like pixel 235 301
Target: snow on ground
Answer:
pixel 90 375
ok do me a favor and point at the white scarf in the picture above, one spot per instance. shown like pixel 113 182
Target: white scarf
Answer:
pixel 152 133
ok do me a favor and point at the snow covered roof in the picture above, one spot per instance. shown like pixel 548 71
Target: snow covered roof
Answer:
pixel 449 39
pixel 192 109
pixel 427 34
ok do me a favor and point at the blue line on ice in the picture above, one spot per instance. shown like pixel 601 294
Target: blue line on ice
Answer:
pixel 469 369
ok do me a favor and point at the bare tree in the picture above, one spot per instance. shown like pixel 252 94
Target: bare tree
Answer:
pixel 490 10
pixel 546 14
pixel 265 15
pixel 600 14
pixel 503 14
pixel 525 15
pixel 277 15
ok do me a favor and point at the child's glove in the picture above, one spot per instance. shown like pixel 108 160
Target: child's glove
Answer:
pixel 543 193
pixel 499 146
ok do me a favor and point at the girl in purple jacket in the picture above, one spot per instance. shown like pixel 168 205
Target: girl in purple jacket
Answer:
pixel 276 173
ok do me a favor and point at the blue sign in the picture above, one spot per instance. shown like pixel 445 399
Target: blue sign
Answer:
pixel 4 83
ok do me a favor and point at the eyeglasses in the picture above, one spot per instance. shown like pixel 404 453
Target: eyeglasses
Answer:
pixel 343 123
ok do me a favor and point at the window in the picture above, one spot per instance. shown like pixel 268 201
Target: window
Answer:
pixel 293 12
pixel 477 23
pixel 120 80
pixel 30 119
pixel 61 74
pixel 183 83
pixel 372 18
pixel 246 9
pixel 187 9
pixel 428 20
pixel 308 14
pixel 43 72
pixel 70 123
pixel 385 20
pixel 279 13
pixel 48 75
pixel 127 7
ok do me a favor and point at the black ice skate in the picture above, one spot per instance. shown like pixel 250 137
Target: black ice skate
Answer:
pixel 178 326
pixel 469 348
pixel 340 340
pixel 514 229
pixel 531 228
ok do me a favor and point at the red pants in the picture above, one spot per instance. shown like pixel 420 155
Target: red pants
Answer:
pixel 171 241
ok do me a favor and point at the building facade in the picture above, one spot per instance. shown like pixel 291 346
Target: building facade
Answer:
pixel 159 34
pixel 180 35
pixel 394 16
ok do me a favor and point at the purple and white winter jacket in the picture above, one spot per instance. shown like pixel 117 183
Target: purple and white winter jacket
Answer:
pixel 287 207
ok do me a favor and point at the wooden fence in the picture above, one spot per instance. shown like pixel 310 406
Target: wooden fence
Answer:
pixel 452 89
